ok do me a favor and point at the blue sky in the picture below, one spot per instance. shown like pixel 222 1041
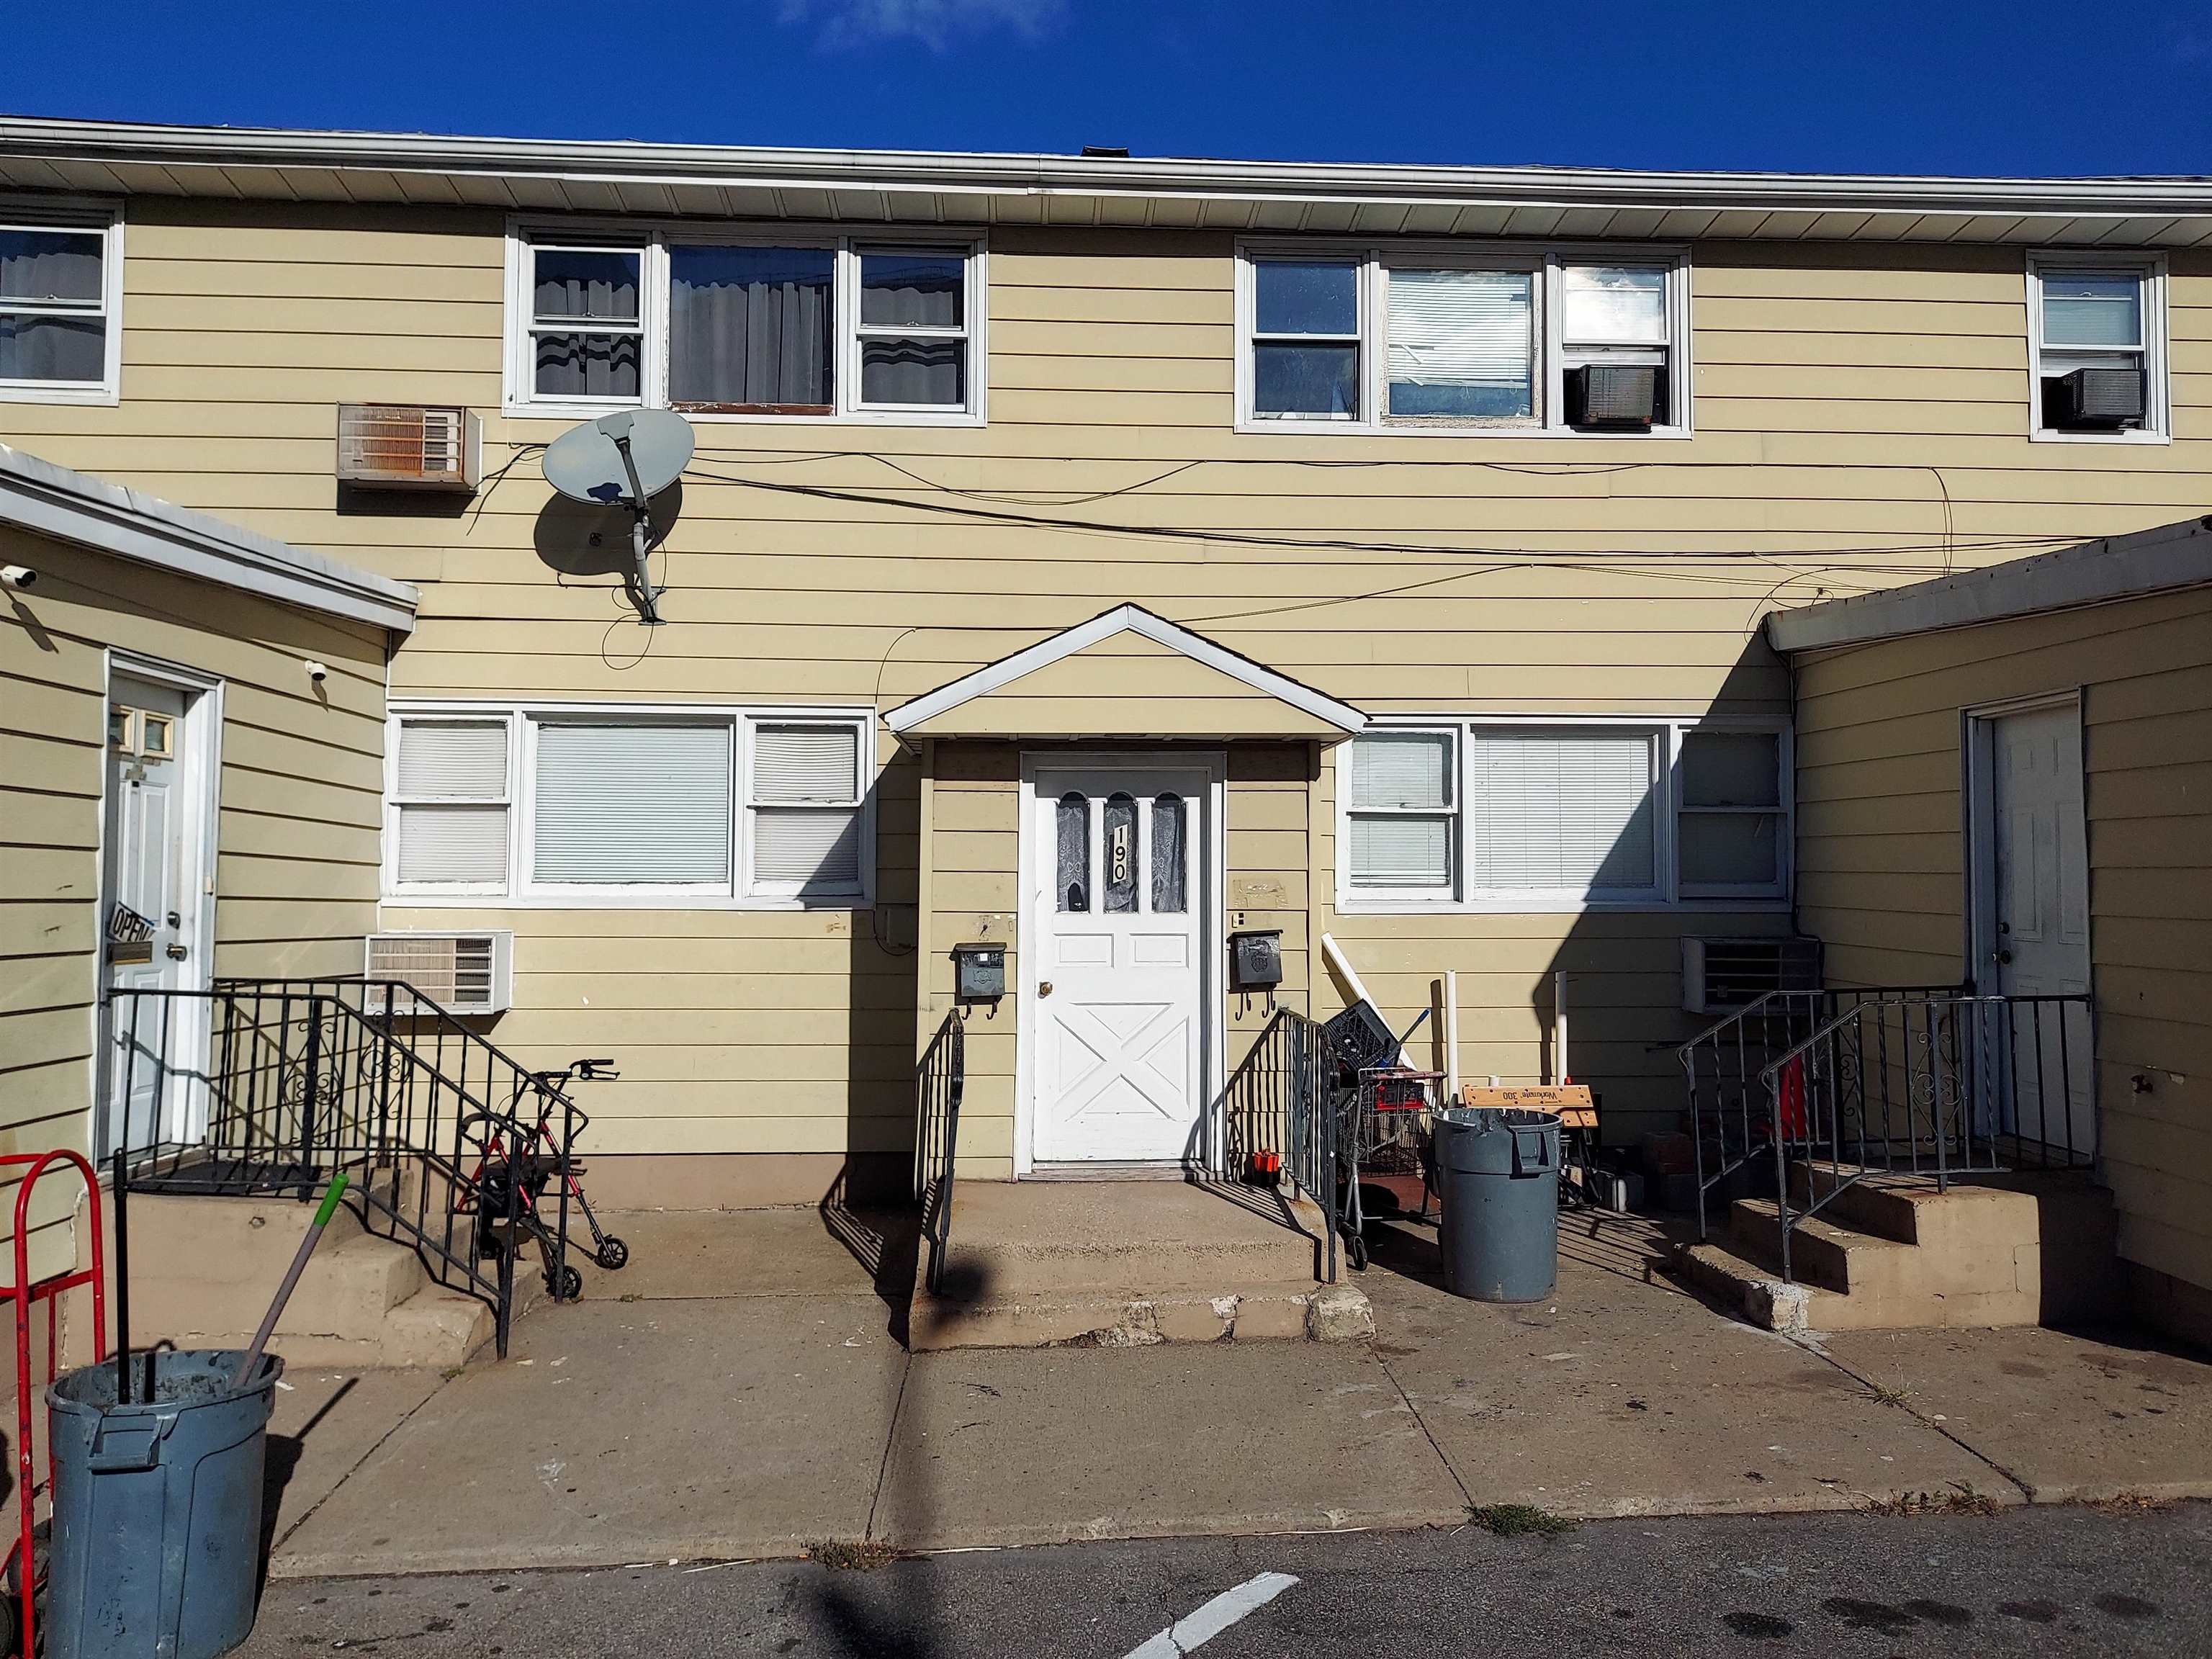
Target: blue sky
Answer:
pixel 2035 87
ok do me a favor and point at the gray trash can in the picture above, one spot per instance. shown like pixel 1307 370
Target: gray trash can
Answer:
pixel 157 1508
pixel 1497 1175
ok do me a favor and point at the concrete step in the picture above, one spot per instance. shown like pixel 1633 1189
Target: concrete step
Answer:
pixel 1065 1240
pixel 1821 1252
pixel 1268 1312
pixel 434 1327
pixel 1755 1288
pixel 348 1289
pixel 235 1238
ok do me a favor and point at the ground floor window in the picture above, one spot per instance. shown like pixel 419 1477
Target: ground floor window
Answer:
pixel 676 802
pixel 1496 814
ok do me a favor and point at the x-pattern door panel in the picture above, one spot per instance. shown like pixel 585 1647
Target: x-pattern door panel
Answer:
pixel 1117 964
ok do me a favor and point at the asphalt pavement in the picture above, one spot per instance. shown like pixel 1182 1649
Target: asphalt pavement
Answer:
pixel 2041 1580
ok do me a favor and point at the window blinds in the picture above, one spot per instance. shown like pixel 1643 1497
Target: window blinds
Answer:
pixel 1394 851
pixel 818 764
pixel 806 797
pixel 619 804
pixel 1561 812
pixel 1461 341
pixel 454 760
pixel 453 844
pixel 1410 769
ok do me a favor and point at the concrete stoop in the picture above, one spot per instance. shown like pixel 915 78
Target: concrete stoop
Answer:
pixel 1889 1252
pixel 203 1270
pixel 1127 1264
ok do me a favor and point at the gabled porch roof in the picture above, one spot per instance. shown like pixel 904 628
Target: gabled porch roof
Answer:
pixel 1126 673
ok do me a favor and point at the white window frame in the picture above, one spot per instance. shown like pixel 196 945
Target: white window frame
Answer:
pixel 519 890
pixel 1374 259
pixel 2157 426
pixel 521 397
pixel 1453 811
pixel 748 808
pixel 18 213
pixel 508 801
pixel 1666 732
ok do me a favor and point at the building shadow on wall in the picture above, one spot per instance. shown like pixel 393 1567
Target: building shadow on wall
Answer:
pixel 1712 811
pixel 870 1207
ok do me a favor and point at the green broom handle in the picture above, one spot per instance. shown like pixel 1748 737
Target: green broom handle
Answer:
pixel 314 1236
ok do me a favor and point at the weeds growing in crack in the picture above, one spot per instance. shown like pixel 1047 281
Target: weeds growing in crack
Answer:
pixel 1959 1500
pixel 1518 1520
pixel 851 1554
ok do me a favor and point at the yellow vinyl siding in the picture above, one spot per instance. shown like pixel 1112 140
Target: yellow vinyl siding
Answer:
pixel 1882 858
pixel 300 786
pixel 1843 393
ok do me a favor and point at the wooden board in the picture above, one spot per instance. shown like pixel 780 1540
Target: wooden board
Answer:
pixel 1572 1101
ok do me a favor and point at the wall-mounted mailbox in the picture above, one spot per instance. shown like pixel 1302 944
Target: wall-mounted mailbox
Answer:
pixel 1255 960
pixel 978 972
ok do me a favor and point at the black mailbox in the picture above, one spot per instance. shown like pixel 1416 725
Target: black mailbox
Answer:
pixel 978 972
pixel 1255 960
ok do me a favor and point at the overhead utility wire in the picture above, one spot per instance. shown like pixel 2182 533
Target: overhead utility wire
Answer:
pixel 1347 544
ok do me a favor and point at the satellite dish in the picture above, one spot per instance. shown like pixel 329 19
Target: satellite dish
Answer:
pixel 624 459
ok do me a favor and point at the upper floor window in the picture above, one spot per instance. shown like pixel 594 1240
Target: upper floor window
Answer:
pixel 2097 338
pixel 745 328
pixel 1464 340
pixel 1508 816
pixel 60 301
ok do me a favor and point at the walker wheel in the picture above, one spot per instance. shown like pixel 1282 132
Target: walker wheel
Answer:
pixel 1355 1252
pixel 568 1285
pixel 612 1254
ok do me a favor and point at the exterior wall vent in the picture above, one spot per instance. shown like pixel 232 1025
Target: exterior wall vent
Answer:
pixel 409 447
pixel 2095 399
pixel 1624 396
pixel 1720 975
pixel 462 973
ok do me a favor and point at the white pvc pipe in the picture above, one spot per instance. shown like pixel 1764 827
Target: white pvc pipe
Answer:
pixel 1560 1029
pixel 1451 1037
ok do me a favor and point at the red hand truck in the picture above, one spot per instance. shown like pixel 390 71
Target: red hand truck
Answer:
pixel 22 1293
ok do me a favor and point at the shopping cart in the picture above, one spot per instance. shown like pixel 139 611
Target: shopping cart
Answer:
pixel 1382 1110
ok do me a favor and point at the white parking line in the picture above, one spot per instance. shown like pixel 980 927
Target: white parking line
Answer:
pixel 1215 1617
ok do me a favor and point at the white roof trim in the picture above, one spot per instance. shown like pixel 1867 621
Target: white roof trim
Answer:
pixel 318 165
pixel 1126 619
pixel 2095 573
pixel 53 501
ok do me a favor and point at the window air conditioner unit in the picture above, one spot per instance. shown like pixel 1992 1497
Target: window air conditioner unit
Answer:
pixel 1722 974
pixel 2095 399
pixel 462 973
pixel 1628 397
pixel 409 447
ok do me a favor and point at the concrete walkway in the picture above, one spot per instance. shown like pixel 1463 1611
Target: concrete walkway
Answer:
pixel 739 1392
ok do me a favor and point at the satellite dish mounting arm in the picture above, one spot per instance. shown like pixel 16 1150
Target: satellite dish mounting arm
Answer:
pixel 639 581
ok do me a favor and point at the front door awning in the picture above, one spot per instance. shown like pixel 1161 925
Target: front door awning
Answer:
pixel 1126 673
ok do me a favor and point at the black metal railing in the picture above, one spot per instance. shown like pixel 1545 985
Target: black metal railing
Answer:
pixel 1731 1127
pixel 1279 1130
pixel 1815 1092
pixel 1941 1084
pixel 291 1081
pixel 939 1082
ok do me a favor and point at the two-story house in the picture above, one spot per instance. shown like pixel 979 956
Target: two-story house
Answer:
pixel 1089 559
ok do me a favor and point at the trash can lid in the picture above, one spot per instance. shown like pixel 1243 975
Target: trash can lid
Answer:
pixel 1497 1117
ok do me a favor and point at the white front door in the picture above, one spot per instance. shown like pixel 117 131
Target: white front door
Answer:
pixel 1115 964
pixel 151 911
pixel 2036 941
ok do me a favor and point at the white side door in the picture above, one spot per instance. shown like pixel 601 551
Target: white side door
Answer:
pixel 150 915
pixel 1116 965
pixel 2037 942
